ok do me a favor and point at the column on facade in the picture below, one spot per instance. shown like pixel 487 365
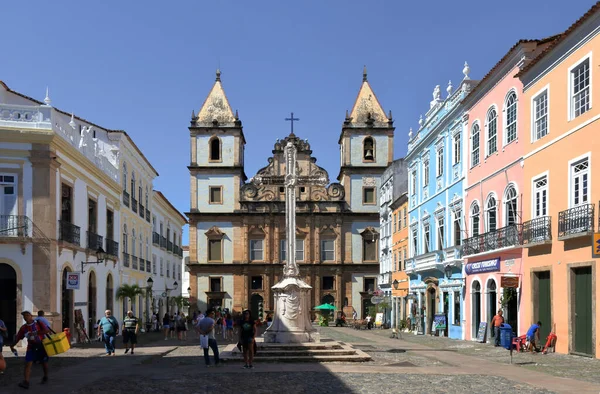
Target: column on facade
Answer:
pixel 317 286
pixel 317 247
pixel 267 289
pixel 339 286
pixel 245 257
pixel 276 242
pixel 308 240
pixel 268 256
pixel 340 241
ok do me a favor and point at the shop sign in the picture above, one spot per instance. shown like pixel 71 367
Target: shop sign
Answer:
pixel 509 281
pixel 377 300
pixel 73 281
pixel 483 266
pixel 596 246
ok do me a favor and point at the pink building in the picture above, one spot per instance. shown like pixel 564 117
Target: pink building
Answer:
pixel 496 130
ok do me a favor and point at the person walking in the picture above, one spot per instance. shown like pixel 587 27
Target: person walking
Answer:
pixel 497 322
pixel 247 335
pixel 165 322
pixel 110 329
pixel 172 326
pixel 34 332
pixel 130 331
pixel 229 327
pixel 206 328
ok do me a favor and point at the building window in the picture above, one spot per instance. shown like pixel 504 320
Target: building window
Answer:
pixel 579 183
pixel 440 233
pixel 413 181
pixel 414 242
pixel 216 285
pixel 369 285
pixel 299 249
pixel 327 250
pixel 215 247
pixel 154 264
pixel 540 197
pixel 256 283
pixel 457 232
pixel 457 308
pixel 256 250
pixel 491 211
pixel 510 206
pixel 132 185
pixel 580 88
pixel 369 249
pixel 440 162
pixel 475 145
pixel 426 238
pixel 456 147
pixel 511 117
pixel 540 118
pixel 328 283
pixel 161 267
pixel 405 215
pixel 426 173
pixel 215 149
pixel 168 269
pixel 475 219
pixel 395 222
pixel 368 195
pixel 124 176
pixel 368 149
pixel 216 194
pixel 125 243
pixel 396 261
pixel 133 242
pixel 492 131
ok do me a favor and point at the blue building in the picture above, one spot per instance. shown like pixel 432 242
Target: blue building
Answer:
pixel 436 171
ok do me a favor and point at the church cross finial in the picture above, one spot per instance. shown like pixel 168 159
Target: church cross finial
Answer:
pixel 365 73
pixel 218 75
pixel 291 119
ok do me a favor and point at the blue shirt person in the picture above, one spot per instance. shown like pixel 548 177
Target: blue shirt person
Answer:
pixel 110 329
pixel 532 334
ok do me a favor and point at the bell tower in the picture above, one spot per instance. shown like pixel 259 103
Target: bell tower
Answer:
pixel 366 149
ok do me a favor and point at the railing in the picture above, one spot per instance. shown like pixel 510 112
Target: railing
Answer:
pixel 112 247
pixel 148 266
pixel 125 260
pixel 69 232
pixel 134 205
pixel 125 198
pixel 148 215
pixel 537 231
pixel 94 241
pixel 163 242
pixel 134 262
pixel 492 240
pixel 14 226
pixel 142 210
pixel 156 239
pixel 576 222
pixel 142 264
pixel 169 246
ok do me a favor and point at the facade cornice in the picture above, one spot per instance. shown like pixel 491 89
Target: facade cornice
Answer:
pixel 170 210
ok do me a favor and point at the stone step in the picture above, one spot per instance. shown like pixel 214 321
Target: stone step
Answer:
pixel 331 358
pixel 284 353
pixel 297 347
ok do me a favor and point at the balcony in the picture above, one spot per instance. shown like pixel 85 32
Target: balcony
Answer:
pixel 163 242
pixel 69 232
pixel 169 246
pixel 125 198
pixel 134 262
pixel 148 215
pixel 125 260
pixel 576 222
pixel 142 264
pixel 425 262
pixel 94 241
pixel 156 239
pixel 142 210
pixel 537 232
pixel 112 247
pixel 148 266
pixel 502 238
pixel 14 226
pixel 134 205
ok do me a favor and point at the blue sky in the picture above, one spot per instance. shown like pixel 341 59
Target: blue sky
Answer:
pixel 145 68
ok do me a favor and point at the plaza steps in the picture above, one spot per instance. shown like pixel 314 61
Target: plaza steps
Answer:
pixel 304 352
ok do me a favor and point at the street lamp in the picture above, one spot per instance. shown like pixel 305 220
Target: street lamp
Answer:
pixel 100 257
pixel 167 290
pixel 149 284
pixel 448 271
pixel 395 283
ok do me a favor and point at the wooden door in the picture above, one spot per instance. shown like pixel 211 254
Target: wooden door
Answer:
pixel 582 330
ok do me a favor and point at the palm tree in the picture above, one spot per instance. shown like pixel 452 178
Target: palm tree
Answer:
pixel 129 291
pixel 181 302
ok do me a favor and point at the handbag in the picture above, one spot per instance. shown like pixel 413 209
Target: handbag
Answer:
pixel 204 341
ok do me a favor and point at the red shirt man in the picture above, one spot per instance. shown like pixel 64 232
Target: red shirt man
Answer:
pixel 34 332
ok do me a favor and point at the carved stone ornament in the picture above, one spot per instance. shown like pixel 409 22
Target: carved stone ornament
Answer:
pixel 368 181
pixel 215 233
pixel 336 191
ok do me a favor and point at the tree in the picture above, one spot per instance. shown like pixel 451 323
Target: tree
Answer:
pixel 181 302
pixel 129 291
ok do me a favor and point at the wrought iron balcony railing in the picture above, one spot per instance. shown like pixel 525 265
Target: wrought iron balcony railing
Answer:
pixel 125 259
pixel 492 240
pixel 576 222
pixel 134 262
pixel 125 198
pixel 112 247
pixel 14 226
pixel 148 215
pixel 69 232
pixel 163 242
pixel 156 239
pixel 148 266
pixel 94 241
pixel 134 205
pixel 142 210
pixel 169 246
pixel 537 231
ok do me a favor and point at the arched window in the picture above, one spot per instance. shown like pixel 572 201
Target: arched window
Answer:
pixel 215 149
pixel 511 117
pixel 133 242
pixel 475 145
pixel 140 197
pixel 368 149
pixel 491 214
pixel 125 249
pixel 510 206
pixel 132 185
pixel 474 219
pixel 141 248
pixel 147 206
pixel 492 131
pixel 124 176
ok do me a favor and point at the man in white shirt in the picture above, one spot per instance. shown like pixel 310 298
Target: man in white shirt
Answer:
pixel 205 327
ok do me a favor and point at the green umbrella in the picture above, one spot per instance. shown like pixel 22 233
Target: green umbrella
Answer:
pixel 325 307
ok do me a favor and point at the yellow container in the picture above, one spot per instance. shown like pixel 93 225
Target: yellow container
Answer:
pixel 56 344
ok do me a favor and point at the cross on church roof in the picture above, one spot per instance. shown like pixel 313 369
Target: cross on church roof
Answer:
pixel 292 119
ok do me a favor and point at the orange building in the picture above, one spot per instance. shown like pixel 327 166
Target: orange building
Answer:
pixel 561 87
pixel 400 280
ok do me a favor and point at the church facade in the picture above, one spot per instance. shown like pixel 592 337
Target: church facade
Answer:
pixel 237 225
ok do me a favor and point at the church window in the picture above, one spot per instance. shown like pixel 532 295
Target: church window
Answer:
pixel 215 149
pixel 256 283
pixel 368 149
pixel 216 194
pixel 369 249
pixel 215 250
pixel 256 250
pixel 328 283
pixel 299 249
pixel 327 249
pixel 369 285
pixel 368 195
pixel 216 284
